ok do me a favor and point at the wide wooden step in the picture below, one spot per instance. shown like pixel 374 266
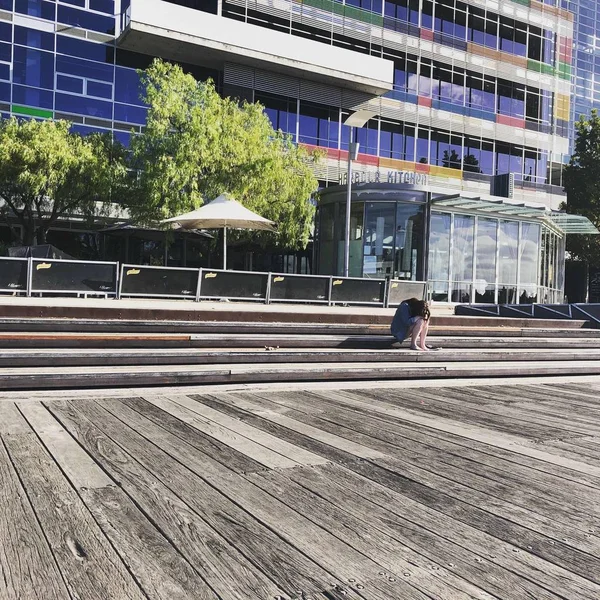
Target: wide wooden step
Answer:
pixel 272 355
pixel 41 378
pixel 447 339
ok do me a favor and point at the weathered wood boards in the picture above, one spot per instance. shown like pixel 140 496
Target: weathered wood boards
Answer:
pixel 374 494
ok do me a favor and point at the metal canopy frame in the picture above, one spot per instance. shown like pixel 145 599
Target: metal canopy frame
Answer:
pixel 566 223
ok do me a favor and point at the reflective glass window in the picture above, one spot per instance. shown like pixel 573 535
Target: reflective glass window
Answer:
pixel 4 72
pixel 83 106
pixel 529 252
pixel 99 89
pixel 32 96
pixel 24 36
pixel 84 49
pixel 33 67
pixel 6 32
pixel 508 252
pixel 5 52
pixel 409 241
pixel 462 248
pixel 69 84
pixel 36 8
pixel 84 68
pixel 128 87
pixel 130 114
pixel 439 246
pixel 485 260
pixel 379 239
pixel 85 19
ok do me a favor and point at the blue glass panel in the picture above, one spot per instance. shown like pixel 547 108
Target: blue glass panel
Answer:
pixel 84 68
pixel 127 86
pixel 130 114
pixel 32 96
pixel 84 130
pixel 86 19
pixel 5 52
pixel 6 4
pixel 34 38
pixel 6 32
pixel 69 84
pixel 123 137
pixel 5 72
pixel 74 2
pixel 33 67
pixel 5 92
pixel 83 49
pixel 36 8
pixel 105 6
pixel 100 90
pixel 83 106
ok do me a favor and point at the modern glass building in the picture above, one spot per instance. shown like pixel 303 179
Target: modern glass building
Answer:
pixel 461 91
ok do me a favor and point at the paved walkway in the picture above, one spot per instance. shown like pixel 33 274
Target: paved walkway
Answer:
pixel 372 492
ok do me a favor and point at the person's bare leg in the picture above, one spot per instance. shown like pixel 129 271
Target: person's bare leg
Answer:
pixel 415 333
pixel 423 337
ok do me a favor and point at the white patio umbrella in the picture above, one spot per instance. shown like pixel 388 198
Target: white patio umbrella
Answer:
pixel 222 213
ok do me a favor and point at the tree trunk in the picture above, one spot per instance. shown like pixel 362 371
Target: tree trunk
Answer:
pixel 41 235
pixel 28 235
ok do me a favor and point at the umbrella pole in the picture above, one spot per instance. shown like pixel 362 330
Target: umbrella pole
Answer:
pixel 224 248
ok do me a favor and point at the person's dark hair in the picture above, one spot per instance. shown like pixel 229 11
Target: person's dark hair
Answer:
pixel 418 308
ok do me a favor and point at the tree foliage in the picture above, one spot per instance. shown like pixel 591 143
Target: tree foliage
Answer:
pixel 47 172
pixel 197 145
pixel 582 184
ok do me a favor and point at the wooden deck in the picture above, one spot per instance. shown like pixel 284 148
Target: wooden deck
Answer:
pixel 374 494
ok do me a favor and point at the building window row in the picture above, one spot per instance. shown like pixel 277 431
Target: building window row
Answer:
pixel 462 87
pixel 455 21
pixel 320 125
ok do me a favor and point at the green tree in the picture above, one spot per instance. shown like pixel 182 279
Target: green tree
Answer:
pixel 197 145
pixel 581 178
pixel 47 172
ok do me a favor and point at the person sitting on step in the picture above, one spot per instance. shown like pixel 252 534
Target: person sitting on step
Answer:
pixel 412 320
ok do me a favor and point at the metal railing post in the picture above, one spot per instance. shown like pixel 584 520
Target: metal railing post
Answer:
pixel 29 275
pixel 199 286
pixel 268 292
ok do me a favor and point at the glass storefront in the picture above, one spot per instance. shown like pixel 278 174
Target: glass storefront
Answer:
pixel 465 258
pixel 386 234
pixel 499 261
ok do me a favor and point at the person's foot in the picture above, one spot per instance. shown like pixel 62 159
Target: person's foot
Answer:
pixel 425 348
pixel 415 348
pixel 432 348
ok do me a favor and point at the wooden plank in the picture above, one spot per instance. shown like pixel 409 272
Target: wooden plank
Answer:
pixel 499 567
pixel 212 457
pixel 504 458
pixel 506 441
pixel 290 451
pixel 334 557
pixel 433 492
pixel 11 420
pixel 393 555
pixel 221 402
pixel 545 497
pixel 88 563
pixel 160 570
pixel 27 567
pixel 257 452
pixel 292 570
pixel 79 467
pixel 379 435
pixel 225 570
pixel 528 406
pixel 428 404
